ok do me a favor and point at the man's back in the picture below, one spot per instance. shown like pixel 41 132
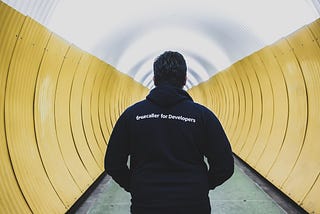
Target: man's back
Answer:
pixel 166 159
pixel 167 137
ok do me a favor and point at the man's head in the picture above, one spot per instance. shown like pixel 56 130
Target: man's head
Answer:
pixel 171 68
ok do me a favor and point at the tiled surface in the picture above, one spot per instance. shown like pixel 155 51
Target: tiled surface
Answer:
pixel 241 195
pixel 238 195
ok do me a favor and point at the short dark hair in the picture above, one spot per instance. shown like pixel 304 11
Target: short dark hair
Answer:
pixel 171 68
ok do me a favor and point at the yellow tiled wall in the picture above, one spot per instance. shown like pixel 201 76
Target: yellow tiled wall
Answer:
pixel 269 104
pixel 58 105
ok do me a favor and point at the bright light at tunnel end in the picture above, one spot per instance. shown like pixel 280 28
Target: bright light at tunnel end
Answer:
pixel 147 28
pixel 186 41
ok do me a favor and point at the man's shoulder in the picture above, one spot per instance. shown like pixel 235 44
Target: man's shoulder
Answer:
pixel 200 107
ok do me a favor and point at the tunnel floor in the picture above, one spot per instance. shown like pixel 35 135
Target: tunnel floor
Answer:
pixel 244 193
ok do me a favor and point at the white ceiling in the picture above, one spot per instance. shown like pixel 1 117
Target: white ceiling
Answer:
pixel 211 34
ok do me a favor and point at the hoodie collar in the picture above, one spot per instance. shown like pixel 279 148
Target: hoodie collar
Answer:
pixel 167 95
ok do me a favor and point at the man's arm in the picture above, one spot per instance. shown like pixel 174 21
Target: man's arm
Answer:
pixel 116 158
pixel 218 152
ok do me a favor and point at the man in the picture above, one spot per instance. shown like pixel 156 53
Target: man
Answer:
pixel 167 136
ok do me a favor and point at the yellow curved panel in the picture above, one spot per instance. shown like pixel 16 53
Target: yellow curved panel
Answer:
pixel 12 199
pixel 315 29
pixel 140 92
pixel 221 102
pixel 297 114
pixel 101 102
pixel 211 101
pixel 221 98
pixel 241 105
pixel 19 118
pixel 127 99
pixel 114 107
pixel 204 96
pixel 227 99
pixel 213 97
pixel 121 93
pixel 235 103
pixel 101 72
pixel 218 96
pixel 110 96
pixel 210 92
pixel 219 108
pixel 307 167
pixel 309 201
pixel 96 144
pixel 124 93
pixel 68 146
pixel 245 127
pixel 107 100
pixel 267 109
pixel 113 98
pixel 280 113
pixel 234 109
pixel 48 145
pixel 73 161
pixel 197 94
pixel 224 113
pixel 105 129
pixel 90 142
pixel 136 93
pixel 256 111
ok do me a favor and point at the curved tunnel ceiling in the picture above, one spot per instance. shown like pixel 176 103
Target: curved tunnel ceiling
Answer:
pixel 211 34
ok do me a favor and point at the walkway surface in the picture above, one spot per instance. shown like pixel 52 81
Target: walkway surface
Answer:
pixel 239 195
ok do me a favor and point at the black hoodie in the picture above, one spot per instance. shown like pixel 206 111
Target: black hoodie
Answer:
pixel 167 136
